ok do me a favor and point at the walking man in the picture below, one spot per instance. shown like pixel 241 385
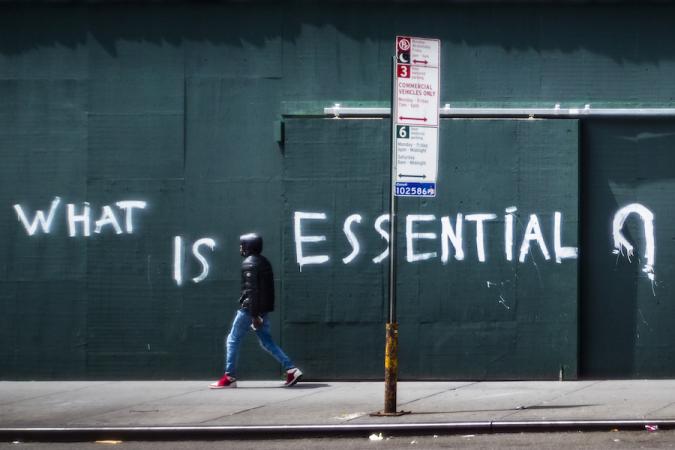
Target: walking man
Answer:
pixel 257 299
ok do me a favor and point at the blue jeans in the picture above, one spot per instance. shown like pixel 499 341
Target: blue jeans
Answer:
pixel 242 324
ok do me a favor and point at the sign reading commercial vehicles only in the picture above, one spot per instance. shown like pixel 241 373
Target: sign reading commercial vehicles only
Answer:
pixel 416 107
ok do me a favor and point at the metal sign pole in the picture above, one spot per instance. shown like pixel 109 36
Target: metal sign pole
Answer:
pixel 415 86
pixel 393 203
pixel 391 329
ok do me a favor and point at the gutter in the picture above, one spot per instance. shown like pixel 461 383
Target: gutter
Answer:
pixel 175 433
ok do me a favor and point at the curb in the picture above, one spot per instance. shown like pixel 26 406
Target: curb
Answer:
pixel 83 434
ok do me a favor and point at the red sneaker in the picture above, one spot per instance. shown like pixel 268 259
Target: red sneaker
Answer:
pixel 225 382
pixel 292 376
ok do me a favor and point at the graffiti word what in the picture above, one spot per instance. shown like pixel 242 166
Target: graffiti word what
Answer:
pixel 79 218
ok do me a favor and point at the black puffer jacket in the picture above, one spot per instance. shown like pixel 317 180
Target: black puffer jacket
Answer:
pixel 257 279
pixel 257 285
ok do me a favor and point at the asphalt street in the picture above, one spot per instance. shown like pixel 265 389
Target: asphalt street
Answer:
pixel 541 441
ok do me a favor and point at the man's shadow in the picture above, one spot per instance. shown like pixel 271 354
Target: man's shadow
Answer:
pixel 299 386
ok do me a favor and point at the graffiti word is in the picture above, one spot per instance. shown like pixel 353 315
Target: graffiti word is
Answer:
pixel 179 257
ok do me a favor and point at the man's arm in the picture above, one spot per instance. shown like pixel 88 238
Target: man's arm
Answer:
pixel 256 322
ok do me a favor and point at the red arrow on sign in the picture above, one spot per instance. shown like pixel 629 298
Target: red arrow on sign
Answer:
pixel 424 119
pixel 424 61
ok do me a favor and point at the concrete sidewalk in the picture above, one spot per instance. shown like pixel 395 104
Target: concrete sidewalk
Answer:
pixel 331 405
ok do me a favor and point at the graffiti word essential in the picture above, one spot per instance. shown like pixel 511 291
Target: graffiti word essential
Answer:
pixel 81 216
pixel 451 236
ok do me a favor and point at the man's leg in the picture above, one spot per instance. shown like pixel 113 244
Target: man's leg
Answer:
pixel 240 325
pixel 266 342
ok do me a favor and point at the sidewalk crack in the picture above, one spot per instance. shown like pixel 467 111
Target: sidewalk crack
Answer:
pixel 440 392
pixel 136 405
pixel 263 406
pixel 649 413
pixel 519 409
pixel 96 385
pixel 233 414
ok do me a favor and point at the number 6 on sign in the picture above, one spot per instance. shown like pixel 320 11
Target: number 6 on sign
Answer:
pixel 402 131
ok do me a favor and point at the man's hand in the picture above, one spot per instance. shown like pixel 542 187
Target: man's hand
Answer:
pixel 256 322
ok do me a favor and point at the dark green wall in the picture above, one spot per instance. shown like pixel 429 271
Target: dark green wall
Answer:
pixel 175 104
pixel 461 318
pixel 626 319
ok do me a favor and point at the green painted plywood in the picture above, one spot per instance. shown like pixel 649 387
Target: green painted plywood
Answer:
pixel 43 329
pixel 43 149
pixel 626 325
pixel 133 306
pixel 232 187
pixel 174 104
pixel 496 319
pixel 466 319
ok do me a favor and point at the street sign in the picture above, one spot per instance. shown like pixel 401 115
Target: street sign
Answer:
pixel 413 50
pixel 416 159
pixel 414 163
pixel 415 116
pixel 417 95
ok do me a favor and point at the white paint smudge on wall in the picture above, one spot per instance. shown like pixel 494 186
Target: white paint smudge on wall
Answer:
pixel 502 287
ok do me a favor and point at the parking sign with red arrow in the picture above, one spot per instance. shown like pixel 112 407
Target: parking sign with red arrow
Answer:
pixel 416 115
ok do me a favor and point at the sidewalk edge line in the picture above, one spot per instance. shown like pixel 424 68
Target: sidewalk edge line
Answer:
pixel 45 434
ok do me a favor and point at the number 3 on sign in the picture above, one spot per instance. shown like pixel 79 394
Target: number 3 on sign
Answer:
pixel 403 71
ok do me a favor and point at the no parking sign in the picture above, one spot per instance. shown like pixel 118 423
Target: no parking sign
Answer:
pixel 415 115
